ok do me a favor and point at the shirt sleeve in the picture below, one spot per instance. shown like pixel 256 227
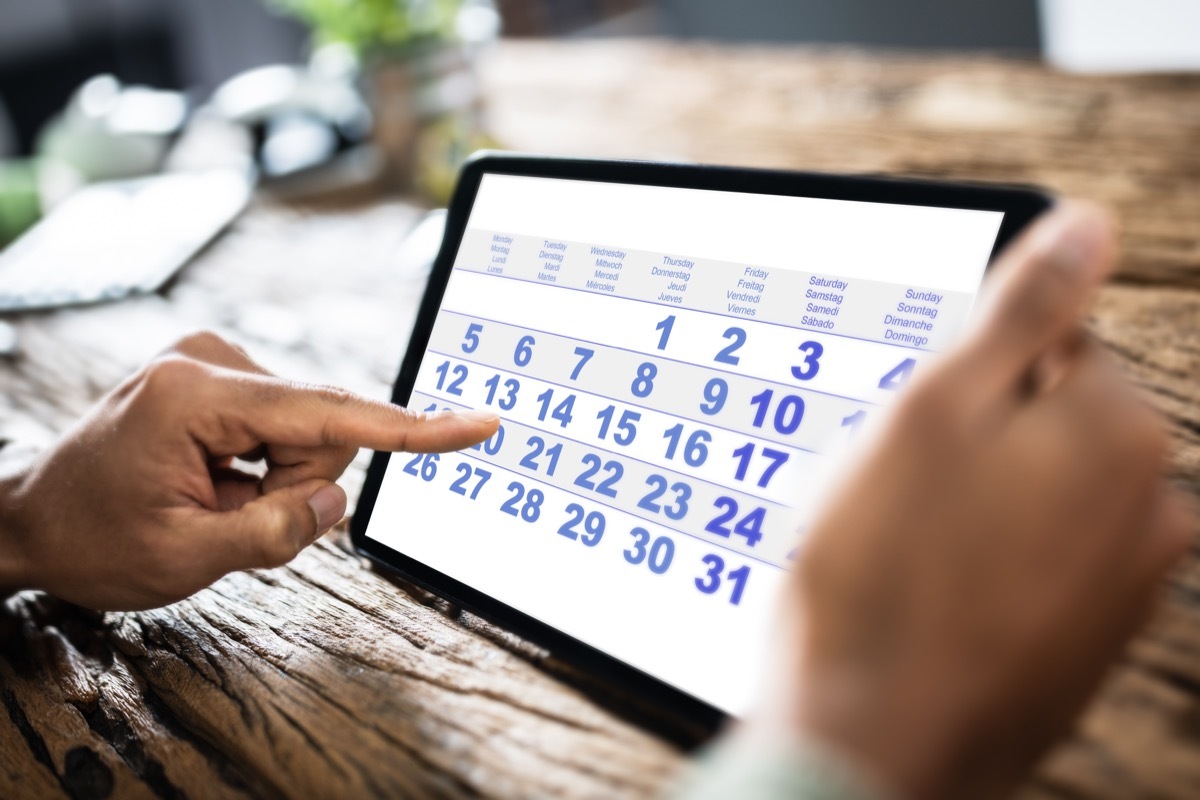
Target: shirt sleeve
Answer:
pixel 734 768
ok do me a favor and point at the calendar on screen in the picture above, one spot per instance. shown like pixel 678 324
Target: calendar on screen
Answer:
pixel 676 371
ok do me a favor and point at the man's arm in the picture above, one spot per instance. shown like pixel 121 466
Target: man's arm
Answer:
pixel 139 504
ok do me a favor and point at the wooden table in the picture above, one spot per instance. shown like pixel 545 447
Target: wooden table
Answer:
pixel 325 678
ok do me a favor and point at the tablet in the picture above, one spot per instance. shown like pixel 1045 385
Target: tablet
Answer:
pixel 677 353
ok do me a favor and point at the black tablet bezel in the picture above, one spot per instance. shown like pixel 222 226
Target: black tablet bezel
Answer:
pixel 1019 204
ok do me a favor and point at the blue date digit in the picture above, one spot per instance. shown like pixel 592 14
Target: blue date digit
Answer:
pixel 716 392
pixel 710 582
pixel 593 525
pixel 854 421
pixel 537 446
pixel 595 465
pixel 585 355
pixel 561 413
pixel 749 526
pixel 531 509
pixel 656 552
pixel 524 352
pixel 423 466
pixel 899 375
pixel 808 369
pixel 665 328
pixel 643 384
pixel 455 386
pixel 626 427
pixel 465 473
pixel 471 340
pixel 508 398
pixel 737 336
pixel 695 448
pixel 788 413
pixel 678 508
pixel 777 459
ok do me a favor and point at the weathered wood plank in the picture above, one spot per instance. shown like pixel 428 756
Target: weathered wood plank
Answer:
pixel 1156 334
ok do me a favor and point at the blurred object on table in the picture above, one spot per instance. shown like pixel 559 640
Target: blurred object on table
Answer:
pixel 417 63
pixel 1122 35
pixel 113 239
pixel 109 131
pixel 309 126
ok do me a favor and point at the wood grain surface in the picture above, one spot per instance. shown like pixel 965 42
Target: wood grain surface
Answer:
pixel 327 679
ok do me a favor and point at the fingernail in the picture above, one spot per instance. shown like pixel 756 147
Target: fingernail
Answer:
pixel 479 415
pixel 328 504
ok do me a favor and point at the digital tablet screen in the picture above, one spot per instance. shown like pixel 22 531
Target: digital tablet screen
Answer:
pixel 675 370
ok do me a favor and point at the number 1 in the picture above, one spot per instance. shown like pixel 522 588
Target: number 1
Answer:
pixel 665 326
pixel 854 421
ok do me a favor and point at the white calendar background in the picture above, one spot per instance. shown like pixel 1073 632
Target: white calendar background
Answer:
pixel 675 370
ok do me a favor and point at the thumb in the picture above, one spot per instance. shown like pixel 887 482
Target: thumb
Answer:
pixel 1039 292
pixel 273 529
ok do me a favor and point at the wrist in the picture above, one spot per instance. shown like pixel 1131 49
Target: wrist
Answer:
pixel 903 736
pixel 915 738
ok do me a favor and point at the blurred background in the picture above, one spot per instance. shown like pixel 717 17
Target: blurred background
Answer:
pixel 50 47
pixel 310 96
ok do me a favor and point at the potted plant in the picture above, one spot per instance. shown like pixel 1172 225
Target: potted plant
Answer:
pixel 417 60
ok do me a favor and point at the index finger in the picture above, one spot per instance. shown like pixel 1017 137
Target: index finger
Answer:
pixel 1039 291
pixel 275 411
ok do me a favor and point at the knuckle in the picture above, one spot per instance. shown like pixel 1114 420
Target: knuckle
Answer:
pixel 333 395
pixel 201 341
pixel 168 374
pixel 267 393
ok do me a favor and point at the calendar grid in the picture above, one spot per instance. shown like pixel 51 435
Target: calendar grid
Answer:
pixel 670 422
